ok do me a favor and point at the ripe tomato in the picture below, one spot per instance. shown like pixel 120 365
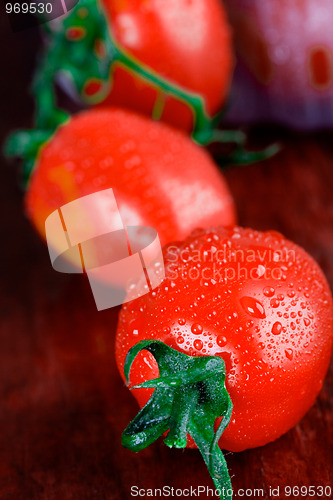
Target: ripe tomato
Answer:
pixel 159 176
pixel 172 60
pixel 258 301
pixel 188 43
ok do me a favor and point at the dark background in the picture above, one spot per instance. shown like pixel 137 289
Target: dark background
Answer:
pixel 63 405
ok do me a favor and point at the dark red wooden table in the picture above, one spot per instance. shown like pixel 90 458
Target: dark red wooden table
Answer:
pixel 63 405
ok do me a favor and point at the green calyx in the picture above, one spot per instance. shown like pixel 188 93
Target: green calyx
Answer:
pixel 189 395
pixel 27 144
pixel 240 155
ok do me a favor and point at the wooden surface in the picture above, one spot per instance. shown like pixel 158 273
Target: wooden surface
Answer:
pixel 63 405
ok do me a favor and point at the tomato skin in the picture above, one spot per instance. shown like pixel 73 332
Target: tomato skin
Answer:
pixel 159 176
pixel 188 43
pixel 275 335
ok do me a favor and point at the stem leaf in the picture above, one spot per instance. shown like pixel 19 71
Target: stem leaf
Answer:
pixel 189 395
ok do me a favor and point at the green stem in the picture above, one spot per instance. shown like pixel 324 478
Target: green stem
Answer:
pixel 159 106
pixel 226 137
pixel 189 396
pixel 202 122
pixel 183 405
pixel 212 456
pixel 241 156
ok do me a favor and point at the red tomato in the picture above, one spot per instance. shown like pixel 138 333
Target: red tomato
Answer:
pixel 258 301
pixel 159 176
pixel 187 42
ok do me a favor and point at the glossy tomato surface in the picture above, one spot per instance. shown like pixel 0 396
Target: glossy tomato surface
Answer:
pixel 160 178
pixel 258 301
pixel 186 42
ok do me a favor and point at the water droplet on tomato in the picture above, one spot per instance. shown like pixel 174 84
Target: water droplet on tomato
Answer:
pixel 196 329
pixel 289 353
pixel 180 340
pixel 253 307
pixel 259 272
pixel 269 291
pixel 274 303
pixel 181 321
pixel 277 328
pixel 231 317
pixel 306 321
pixel 134 327
pixel 261 345
pixel 207 252
pixel 198 344
pixel 221 341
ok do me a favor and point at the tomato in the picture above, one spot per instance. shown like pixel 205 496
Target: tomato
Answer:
pixel 285 63
pixel 170 60
pixel 186 42
pixel 160 178
pixel 256 300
